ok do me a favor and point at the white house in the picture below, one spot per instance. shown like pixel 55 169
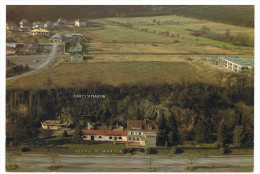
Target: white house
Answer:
pixel 80 23
pixel 104 135
pixel 10 50
pixel 24 25
pixel 42 32
pixel 48 24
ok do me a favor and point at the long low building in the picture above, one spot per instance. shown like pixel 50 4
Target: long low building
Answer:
pixel 236 65
pixel 42 32
pixel 104 135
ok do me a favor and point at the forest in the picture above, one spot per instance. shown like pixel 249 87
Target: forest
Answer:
pixel 230 14
pixel 184 111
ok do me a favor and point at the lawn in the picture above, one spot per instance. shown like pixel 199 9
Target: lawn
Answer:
pixel 123 34
pixel 113 73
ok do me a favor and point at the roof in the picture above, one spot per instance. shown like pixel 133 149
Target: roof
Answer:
pixel 10 48
pixel 40 30
pixel 79 20
pixel 24 21
pixel 10 40
pixel 243 63
pixel 146 125
pixel 11 23
pixel 48 23
pixel 104 132
pixel 61 36
pixel 31 39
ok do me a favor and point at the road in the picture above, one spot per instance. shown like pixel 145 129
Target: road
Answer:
pixel 134 163
pixel 51 59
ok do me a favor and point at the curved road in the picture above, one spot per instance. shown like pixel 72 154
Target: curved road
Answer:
pixel 52 58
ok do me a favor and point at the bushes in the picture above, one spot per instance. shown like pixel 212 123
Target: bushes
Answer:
pixel 224 150
pixel 25 149
pixel 147 150
pixel 176 150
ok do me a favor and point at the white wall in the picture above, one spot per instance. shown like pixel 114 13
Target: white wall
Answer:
pixel 104 138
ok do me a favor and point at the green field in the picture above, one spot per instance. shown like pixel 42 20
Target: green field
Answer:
pixel 114 73
pixel 123 34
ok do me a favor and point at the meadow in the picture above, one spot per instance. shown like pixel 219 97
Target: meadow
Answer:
pixel 114 73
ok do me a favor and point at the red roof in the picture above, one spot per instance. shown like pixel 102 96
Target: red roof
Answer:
pixel 104 132
pixel 10 48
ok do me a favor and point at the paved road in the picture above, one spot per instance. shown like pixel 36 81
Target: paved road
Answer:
pixel 135 163
pixel 51 59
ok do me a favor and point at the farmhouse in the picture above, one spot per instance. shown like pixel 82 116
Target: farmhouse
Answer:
pixel 76 47
pixel 55 125
pixel 58 38
pixel 31 45
pixel 77 56
pixel 236 65
pixel 12 27
pixel 10 50
pixel 24 25
pixel 37 24
pixel 80 23
pixel 142 133
pixel 42 32
pixel 10 42
pixel 104 135
pixel 48 24
pixel 61 23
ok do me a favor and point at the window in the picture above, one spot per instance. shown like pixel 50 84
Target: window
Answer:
pixel 110 138
pixel 137 139
pixel 140 133
pixel 120 138
pixel 84 136
pixel 134 139
pixel 132 133
pixel 100 137
pixel 130 139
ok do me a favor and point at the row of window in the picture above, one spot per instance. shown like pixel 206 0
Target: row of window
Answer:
pixel 136 133
pixel 134 139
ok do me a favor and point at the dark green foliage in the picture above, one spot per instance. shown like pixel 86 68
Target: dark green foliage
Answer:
pixel 25 149
pixel 222 134
pixel 230 14
pixel 176 150
pixel 239 136
pixel 147 150
pixel 77 135
pixel 224 150
pixel 185 111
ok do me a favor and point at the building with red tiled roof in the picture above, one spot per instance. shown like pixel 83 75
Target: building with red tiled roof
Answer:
pixel 104 135
pixel 143 132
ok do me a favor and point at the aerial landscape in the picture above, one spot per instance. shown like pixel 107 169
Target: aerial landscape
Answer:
pixel 146 88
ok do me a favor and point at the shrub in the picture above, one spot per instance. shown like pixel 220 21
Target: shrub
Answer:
pixel 176 150
pixel 147 150
pixel 216 144
pixel 25 149
pixel 224 150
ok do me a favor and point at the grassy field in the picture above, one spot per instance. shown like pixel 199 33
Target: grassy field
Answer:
pixel 114 73
pixel 123 34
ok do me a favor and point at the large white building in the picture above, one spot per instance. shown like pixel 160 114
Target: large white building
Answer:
pixel 142 133
pixel 104 135
pixel 236 65
pixel 80 23
pixel 41 32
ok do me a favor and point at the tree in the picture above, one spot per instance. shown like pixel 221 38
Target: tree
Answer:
pixel 222 134
pixel 239 136
pixel 77 136
pixel 204 29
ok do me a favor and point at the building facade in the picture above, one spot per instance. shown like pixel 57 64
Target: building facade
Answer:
pixel 142 133
pixel 80 23
pixel 41 32
pixel 236 65
pixel 104 135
